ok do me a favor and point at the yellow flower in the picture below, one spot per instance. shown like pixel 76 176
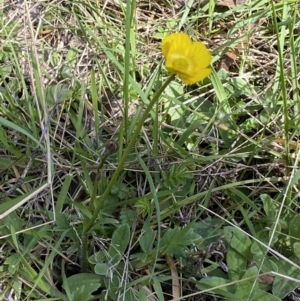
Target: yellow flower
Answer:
pixel 190 61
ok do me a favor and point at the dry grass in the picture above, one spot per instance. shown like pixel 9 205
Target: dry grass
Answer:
pixel 221 153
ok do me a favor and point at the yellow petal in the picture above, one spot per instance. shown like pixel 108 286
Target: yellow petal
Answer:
pixel 197 77
pixel 176 42
pixel 190 61
pixel 200 55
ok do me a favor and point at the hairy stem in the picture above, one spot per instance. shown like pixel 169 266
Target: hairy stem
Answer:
pixel 89 223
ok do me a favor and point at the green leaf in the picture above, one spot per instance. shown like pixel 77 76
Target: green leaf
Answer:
pixel 84 282
pixel 295 178
pixel 296 248
pixel 121 190
pixel 55 59
pixel 294 230
pixel 119 242
pixel 84 293
pixel 63 194
pixel 243 87
pixel 262 295
pixel 17 128
pixel 276 233
pixel 257 249
pixel 142 295
pixel 238 241
pixel 144 207
pixel 174 240
pixel 176 175
pixel 127 216
pixel 13 262
pixel 158 289
pixel 283 286
pixel 55 91
pixel 62 222
pixel 226 290
pixel 147 239
pixel 269 207
pixel 246 286
pixel 236 263
pixel 71 55
pixel 100 256
pixel 102 268
pixel 114 287
pixel 6 205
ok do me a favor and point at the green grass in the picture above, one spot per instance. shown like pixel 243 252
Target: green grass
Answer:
pixel 120 183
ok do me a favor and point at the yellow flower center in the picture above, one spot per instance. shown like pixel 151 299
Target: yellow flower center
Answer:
pixel 181 65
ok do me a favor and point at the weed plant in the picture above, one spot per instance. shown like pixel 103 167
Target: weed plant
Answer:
pixel 119 182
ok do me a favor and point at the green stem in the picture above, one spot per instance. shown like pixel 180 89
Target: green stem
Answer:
pixel 97 179
pixel 88 225
pixel 126 153
pixel 83 254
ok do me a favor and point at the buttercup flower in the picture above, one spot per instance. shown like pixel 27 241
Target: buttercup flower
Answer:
pixel 189 60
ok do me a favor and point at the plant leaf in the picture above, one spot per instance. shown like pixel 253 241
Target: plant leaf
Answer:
pixel 119 243
pixel 146 241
